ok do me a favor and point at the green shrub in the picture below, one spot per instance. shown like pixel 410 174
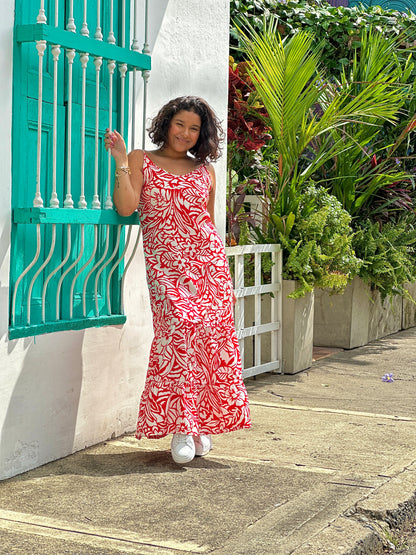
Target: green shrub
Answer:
pixel 388 254
pixel 316 242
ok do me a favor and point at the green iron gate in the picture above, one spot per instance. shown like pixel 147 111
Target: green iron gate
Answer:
pixel 73 67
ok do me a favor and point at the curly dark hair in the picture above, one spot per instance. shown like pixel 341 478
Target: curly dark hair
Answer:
pixel 211 134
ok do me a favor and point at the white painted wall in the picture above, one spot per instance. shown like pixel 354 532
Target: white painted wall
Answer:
pixel 67 390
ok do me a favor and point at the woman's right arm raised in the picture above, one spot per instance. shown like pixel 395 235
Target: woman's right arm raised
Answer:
pixel 129 174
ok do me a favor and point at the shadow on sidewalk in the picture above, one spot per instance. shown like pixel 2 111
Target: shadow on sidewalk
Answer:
pixel 117 464
pixel 364 355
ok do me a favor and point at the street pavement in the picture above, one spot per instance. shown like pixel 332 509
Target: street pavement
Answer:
pixel 329 467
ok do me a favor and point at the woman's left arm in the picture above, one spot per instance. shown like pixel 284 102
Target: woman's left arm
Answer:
pixel 211 199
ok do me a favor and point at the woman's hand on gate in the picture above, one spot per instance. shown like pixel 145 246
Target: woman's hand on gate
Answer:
pixel 114 141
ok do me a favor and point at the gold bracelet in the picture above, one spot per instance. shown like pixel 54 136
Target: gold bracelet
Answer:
pixel 122 170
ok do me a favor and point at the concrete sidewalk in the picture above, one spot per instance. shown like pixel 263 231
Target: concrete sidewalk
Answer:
pixel 329 463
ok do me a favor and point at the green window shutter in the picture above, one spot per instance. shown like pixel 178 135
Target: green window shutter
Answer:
pixel 67 262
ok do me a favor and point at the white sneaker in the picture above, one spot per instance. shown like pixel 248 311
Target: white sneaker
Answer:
pixel 183 448
pixel 203 445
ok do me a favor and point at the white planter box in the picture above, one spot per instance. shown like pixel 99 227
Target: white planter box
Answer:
pixel 354 318
pixel 297 329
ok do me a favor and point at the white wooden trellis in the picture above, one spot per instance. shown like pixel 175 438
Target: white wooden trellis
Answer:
pixel 236 257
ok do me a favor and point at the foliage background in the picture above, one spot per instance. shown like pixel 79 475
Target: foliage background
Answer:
pixel 383 234
pixel 337 28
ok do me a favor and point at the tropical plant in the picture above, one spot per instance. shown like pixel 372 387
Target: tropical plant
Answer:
pixel 309 118
pixel 246 127
pixel 316 123
pixel 367 177
pixel 339 31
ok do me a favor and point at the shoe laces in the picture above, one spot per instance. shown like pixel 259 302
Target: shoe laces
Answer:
pixel 183 439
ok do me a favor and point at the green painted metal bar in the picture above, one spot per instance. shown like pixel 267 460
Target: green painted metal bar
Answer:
pixel 62 325
pixel 67 39
pixel 37 215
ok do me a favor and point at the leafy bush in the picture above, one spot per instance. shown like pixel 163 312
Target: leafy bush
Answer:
pixel 316 242
pixel 388 254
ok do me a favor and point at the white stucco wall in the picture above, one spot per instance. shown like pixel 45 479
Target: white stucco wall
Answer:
pixel 64 391
pixel 190 57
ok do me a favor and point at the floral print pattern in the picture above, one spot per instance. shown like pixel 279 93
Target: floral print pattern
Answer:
pixel 194 384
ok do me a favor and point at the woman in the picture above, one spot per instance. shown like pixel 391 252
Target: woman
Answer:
pixel 194 385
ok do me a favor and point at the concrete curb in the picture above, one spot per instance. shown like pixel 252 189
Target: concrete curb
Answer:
pixel 344 536
pixel 388 509
pixel 364 529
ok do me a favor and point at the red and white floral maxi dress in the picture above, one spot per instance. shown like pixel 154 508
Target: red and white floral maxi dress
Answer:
pixel 194 384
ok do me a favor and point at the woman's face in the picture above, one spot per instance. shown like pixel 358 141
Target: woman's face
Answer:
pixel 184 131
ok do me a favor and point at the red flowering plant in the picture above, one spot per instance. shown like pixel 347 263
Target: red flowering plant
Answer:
pixel 248 131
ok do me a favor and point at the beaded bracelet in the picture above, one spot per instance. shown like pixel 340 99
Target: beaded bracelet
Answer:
pixel 122 170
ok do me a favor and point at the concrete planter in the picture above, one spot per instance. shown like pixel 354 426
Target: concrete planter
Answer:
pixel 354 318
pixel 409 308
pixel 297 329
pixel 385 318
